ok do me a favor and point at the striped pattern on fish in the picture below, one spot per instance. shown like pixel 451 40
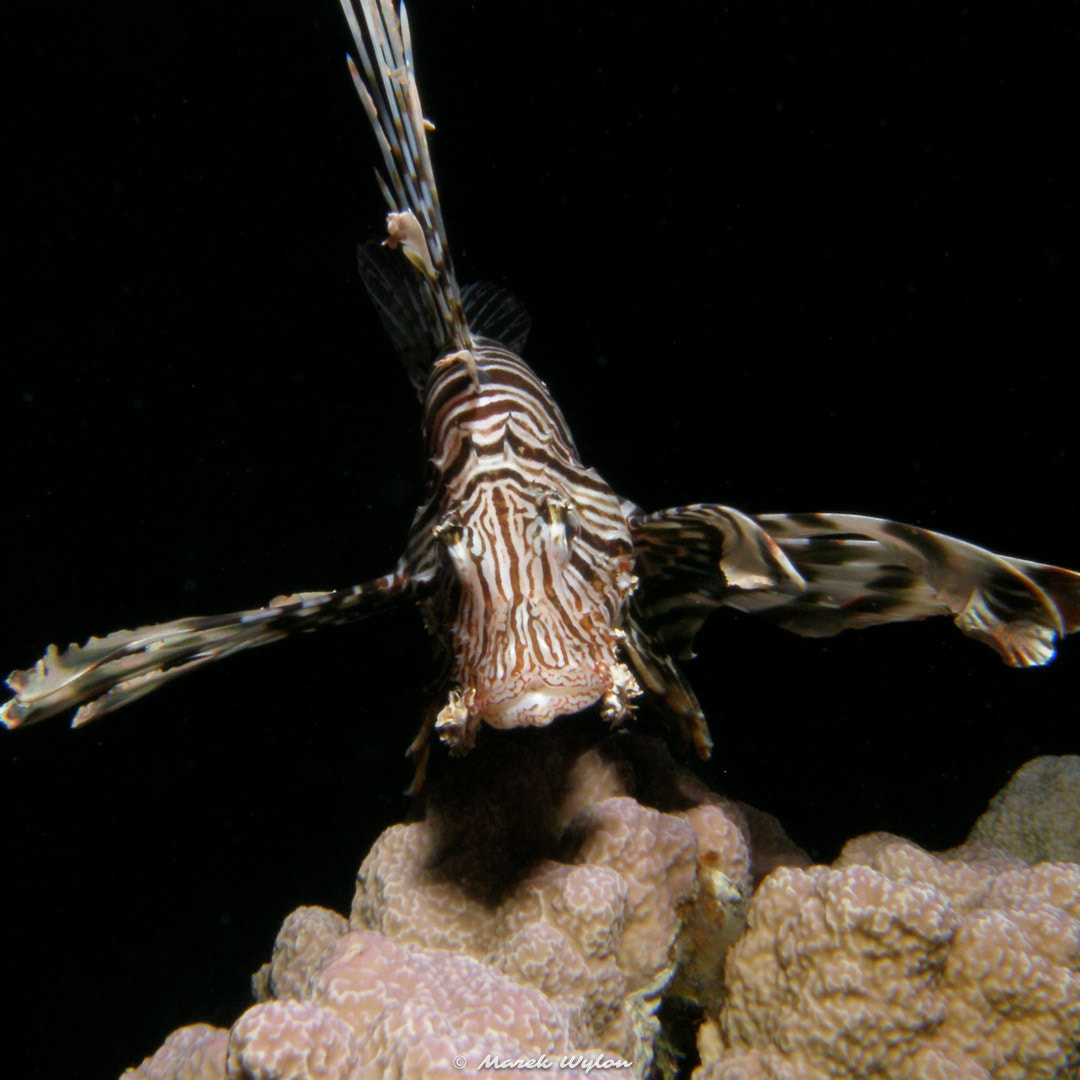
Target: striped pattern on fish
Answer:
pixel 539 546
pixel 547 592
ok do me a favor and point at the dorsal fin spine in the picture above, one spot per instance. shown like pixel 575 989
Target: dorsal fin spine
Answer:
pixel 387 89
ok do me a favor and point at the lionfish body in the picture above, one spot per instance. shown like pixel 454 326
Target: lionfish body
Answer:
pixel 538 546
pixel 548 592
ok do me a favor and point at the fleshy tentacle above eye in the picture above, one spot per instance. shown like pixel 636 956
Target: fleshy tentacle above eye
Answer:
pixel 106 673
pixel 833 572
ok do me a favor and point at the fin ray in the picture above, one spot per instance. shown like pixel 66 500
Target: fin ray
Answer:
pixel 497 314
pixel 691 558
pixel 388 92
pixel 819 574
pixel 106 673
pixel 864 571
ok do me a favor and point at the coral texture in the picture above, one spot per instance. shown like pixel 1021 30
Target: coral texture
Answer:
pixel 372 1008
pixel 718 914
pixel 304 937
pixel 1037 814
pixel 463 943
pixel 534 919
pixel 596 935
pixel 628 894
pixel 292 1040
pixel 196 1052
pixel 898 963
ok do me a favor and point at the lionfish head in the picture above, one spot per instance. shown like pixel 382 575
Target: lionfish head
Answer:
pixel 538 605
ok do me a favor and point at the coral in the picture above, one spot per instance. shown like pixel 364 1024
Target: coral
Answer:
pixel 370 1008
pixel 550 910
pixel 196 1052
pixel 416 1010
pixel 718 915
pixel 594 933
pixel 654 855
pixel 897 963
pixel 400 894
pixel 304 937
pixel 474 931
pixel 602 916
pixel 1037 814
pixel 643 767
pixel 292 1040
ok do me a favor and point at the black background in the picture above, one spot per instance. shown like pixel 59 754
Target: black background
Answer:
pixel 783 256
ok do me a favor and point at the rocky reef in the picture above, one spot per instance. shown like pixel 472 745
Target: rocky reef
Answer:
pixel 600 911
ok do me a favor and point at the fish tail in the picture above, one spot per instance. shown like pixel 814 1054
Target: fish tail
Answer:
pixel 412 284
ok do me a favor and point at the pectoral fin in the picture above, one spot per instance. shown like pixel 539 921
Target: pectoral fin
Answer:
pixel 112 671
pixel 691 559
pixel 863 571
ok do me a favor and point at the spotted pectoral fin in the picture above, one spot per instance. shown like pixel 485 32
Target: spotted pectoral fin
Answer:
pixel 106 673
pixel 690 559
pixel 863 571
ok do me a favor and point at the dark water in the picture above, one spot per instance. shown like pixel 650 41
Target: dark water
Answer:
pixel 775 256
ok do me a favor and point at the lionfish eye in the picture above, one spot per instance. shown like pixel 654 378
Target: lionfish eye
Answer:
pixel 453 538
pixel 554 509
pixel 449 532
pixel 559 516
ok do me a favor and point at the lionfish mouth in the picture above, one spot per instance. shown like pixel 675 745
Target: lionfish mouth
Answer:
pixel 538 703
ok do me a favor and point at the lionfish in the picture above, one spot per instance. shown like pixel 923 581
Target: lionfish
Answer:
pixel 546 591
